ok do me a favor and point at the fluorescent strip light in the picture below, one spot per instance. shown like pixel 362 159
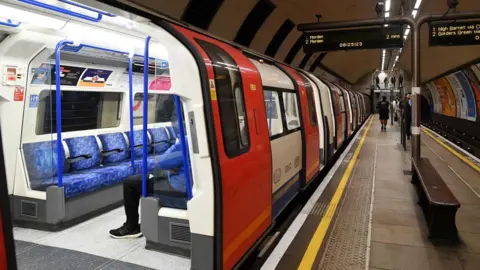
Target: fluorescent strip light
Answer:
pixel 407 32
pixel 414 13
pixel 387 5
pixel 30 18
pixel 405 37
pixel 417 4
pixel 387 14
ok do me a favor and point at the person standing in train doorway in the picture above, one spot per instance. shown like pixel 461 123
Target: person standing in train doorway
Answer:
pixel 384 110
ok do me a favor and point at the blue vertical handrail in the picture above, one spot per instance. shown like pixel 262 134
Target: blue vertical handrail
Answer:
pixel 64 11
pixel 10 23
pixel 58 104
pixel 183 143
pixel 130 93
pixel 145 117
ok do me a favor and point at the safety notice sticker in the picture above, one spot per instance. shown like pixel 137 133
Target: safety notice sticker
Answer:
pixel 18 93
pixel 33 101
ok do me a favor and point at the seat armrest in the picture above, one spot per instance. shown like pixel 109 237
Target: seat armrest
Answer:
pixel 111 152
pixel 78 158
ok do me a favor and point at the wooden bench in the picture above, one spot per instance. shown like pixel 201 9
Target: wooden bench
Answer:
pixel 438 203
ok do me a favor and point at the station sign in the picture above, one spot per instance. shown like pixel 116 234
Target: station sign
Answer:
pixel 354 39
pixel 455 33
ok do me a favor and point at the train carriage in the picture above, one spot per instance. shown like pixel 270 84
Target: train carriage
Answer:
pixel 97 99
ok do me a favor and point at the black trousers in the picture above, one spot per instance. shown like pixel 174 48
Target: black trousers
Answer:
pixel 408 127
pixel 132 192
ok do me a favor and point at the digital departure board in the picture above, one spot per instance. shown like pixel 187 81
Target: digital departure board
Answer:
pixel 354 39
pixel 455 33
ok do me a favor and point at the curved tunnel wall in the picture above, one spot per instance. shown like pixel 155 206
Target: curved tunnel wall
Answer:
pixel 457 93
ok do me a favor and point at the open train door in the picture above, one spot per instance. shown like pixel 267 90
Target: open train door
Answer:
pixel 7 247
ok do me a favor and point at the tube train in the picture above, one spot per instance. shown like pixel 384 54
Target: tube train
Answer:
pixel 89 98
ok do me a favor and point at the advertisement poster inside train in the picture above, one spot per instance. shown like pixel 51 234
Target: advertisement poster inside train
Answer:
pixel 161 82
pixel 45 74
pixel 447 98
pixel 459 96
pixel 475 84
pixel 95 77
pixel 437 105
pixel 467 89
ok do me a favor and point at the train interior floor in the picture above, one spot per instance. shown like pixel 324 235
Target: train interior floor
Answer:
pixel 366 216
pixel 89 246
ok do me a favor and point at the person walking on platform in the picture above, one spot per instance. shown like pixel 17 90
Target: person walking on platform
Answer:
pixel 171 175
pixel 400 81
pixel 393 80
pixel 407 114
pixel 384 110
pixel 377 82
pixel 385 83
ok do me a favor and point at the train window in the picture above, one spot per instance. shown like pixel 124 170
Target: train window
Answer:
pixel 272 105
pixel 81 110
pixel 161 108
pixel 291 110
pixel 231 101
pixel 342 103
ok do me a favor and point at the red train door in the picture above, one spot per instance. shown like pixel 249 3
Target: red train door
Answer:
pixel 243 146
pixel 310 124
pixel 7 248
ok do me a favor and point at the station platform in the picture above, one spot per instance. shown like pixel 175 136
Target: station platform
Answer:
pixel 364 215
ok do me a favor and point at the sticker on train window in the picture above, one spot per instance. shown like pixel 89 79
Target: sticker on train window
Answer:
pixel 213 91
pixel 33 101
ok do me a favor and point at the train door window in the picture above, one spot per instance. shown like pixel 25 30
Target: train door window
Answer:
pixel 81 110
pixel 291 110
pixel 231 101
pixel 274 119
pixel 342 102
pixel 310 102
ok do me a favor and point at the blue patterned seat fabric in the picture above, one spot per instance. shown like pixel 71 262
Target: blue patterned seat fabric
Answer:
pixel 113 141
pixel 89 174
pixel 160 140
pixel 86 145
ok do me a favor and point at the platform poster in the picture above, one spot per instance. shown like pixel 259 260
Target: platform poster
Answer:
pixel 447 98
pixel 95 77
pixel 427 93
pixel 437 105
pixel 459 96
pixel 475 84
pixel 467 89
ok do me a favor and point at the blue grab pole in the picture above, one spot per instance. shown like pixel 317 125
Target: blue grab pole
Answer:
pixel 145 117
pixel 130 92
pixel 181 129
pixel 58 99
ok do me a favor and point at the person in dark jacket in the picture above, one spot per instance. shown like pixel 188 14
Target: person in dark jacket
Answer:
pixel 393 80
pixel 173 175
pixel 407 113
pixel 384 111
pixel 400 81
pixel 385 83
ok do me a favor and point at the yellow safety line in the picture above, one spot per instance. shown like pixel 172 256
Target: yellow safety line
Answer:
pixel 317 239
pixel 451 150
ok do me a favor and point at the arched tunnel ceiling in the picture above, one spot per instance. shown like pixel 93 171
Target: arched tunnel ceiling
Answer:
pixel 226 19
